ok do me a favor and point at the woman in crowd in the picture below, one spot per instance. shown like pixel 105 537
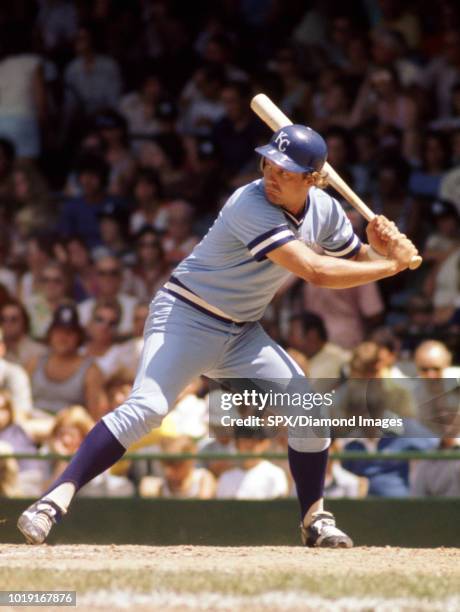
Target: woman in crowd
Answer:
pixel 151 269
pixel 63 377
pixel 15 324
pixel 55 290
pixel 148 193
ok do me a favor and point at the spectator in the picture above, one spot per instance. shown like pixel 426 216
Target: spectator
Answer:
pixel 109 287
pixel 389 350
pixel 30 471
pixel 389 51
pixel 32 199
pixel 13 378
pixel 446 294
pixel 8 278
pixel 348 314
pixel 113 228
pixel 237 133
pixel 443 71
pixel 425 181
pixel 182 479
pixel 82 267
pixel 63 377
pixel 151 270
pixel 101 338
pixel 22 91
pixel 207 108
pixel 368 392
pixel 222 440
pixel 9 472
pixel 132 348
pixel 38 254
pixel 256 478
pixel 79 214
pixel 113 130
pixel 419 324
pixel 56 286
pixel 437 478
pixel 139 107
pixel 190 413
pixel 15 324
pixel 179 240
pixel 434 360
pixel 296 90
pixel 92 81
pixel 341 483
pixel 307 333
pixel 148 193
pixel 166 155
pixel 71 427
pixel 442 242
pixel 391 199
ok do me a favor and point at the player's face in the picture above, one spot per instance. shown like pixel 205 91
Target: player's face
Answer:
pixel 288 189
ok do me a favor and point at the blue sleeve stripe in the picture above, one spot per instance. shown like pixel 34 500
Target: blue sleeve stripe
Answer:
pixel 347 248
pixel 353 252
pixel 274 245
pixel 268 234
pixel 344 246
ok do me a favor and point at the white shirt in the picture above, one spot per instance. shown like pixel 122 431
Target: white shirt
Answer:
pixel 263 481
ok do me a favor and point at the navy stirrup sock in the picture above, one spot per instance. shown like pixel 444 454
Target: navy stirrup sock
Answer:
pixel 98 451
pixel 308 471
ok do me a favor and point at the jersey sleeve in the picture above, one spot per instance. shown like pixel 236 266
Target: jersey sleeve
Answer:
pixel 337 237
pixel 260 226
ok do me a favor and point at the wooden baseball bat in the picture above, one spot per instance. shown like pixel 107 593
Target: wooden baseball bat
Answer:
pixel 276 119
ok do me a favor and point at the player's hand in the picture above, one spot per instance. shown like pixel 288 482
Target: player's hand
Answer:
pixel 379 231
pixel 401 250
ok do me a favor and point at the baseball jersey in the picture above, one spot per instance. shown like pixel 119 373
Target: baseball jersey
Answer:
pixel 229 272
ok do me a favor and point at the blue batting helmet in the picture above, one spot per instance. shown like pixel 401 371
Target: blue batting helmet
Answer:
pixel 296 148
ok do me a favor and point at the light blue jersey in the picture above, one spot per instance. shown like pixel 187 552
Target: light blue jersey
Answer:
pixel 228 273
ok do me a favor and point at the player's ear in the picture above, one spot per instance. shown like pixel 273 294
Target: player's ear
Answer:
pixel 262 163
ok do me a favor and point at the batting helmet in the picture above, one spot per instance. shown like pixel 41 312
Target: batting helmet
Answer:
pixel 296 148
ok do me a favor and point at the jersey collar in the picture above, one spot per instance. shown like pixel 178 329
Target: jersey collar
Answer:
pixel 298 219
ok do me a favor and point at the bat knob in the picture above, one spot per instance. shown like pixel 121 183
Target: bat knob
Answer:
pixel 415 262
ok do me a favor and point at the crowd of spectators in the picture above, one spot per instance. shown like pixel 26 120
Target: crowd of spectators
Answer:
pixel 124 126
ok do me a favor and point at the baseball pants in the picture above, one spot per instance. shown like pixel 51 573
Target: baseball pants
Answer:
pixel 182 343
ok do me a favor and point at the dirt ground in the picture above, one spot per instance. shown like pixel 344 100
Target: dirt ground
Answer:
pixel 252 578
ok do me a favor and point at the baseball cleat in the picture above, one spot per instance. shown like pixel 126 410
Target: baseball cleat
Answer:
pixel 323 533
pixel 36 522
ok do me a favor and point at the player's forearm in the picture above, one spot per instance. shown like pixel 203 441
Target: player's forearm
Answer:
pixel 331 272
pixel 336 273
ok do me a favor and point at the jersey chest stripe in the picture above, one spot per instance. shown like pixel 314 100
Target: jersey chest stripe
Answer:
pixel 180 290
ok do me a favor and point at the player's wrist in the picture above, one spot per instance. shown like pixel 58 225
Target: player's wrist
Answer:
pixel 373 255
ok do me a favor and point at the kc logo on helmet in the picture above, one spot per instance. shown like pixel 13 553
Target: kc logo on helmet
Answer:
pixel 282 141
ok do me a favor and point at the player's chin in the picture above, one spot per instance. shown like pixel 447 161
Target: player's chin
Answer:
pixel 273 196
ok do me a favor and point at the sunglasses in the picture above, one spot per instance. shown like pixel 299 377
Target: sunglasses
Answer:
pixel 430 369
pixel 112 272
pixel 108 322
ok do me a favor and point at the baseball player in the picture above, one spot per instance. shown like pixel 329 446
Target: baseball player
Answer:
pixel 204 320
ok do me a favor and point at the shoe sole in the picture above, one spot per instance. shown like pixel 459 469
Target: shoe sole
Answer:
pixel 27 528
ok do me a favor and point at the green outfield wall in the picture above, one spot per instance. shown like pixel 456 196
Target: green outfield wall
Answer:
pixel 418 523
